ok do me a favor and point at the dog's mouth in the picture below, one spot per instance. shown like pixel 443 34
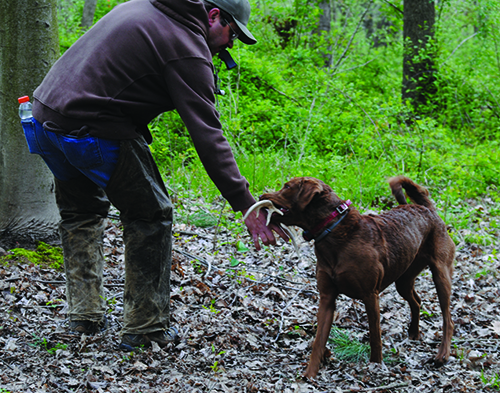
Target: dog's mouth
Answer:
pixel 284 211
pixel 274 209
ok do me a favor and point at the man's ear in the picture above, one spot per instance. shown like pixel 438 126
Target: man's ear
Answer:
pixel 309 188
pixel 213 16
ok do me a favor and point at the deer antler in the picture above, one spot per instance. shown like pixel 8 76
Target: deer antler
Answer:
pixel 292 234
pixel 259 205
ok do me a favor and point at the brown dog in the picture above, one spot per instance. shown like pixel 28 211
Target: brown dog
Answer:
pixel 361 255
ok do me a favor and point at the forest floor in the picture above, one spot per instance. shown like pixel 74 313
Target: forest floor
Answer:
pixel 247 320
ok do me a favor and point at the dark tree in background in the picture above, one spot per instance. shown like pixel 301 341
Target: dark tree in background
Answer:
pixel 325 17
pixel 88 13
pixel 28 47
pixel 378 28
pixel 324 26
pixel 419 57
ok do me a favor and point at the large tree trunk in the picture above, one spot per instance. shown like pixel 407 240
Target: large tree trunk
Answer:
pixel 324 27
pixel 419 54
pixel 29 46
pixel 325 19
pixel 88 13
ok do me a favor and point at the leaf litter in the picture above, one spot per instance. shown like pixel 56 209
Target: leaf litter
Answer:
pixel 247 320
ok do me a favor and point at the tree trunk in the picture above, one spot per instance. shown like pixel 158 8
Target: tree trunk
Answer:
pixel 29 46
pixel 419 54
pixel 377 26
pixel 324 27
pixel 325 18
pixel 88 13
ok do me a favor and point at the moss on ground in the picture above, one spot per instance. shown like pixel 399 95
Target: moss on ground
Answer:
pixel 44 255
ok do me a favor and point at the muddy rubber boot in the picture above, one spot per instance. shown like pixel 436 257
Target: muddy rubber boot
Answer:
pixel 89 327
pixel 132 342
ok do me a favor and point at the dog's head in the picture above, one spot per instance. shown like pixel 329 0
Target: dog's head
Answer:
pixel 302 202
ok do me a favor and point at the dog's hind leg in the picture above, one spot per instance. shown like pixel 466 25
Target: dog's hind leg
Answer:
pixel 373 312
pixel 328 297
pixel 441 274
pixel 406 288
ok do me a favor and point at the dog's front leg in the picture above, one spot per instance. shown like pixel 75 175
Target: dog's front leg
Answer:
pixel 373 312
pixel 328 296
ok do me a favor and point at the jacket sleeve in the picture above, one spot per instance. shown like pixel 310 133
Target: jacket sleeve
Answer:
pixel 191 88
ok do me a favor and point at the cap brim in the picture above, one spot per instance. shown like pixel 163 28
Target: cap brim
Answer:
pixel 246 37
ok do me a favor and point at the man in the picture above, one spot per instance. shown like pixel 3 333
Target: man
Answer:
pixel 90 126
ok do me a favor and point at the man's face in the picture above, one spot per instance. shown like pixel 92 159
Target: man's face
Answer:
pixel 220 36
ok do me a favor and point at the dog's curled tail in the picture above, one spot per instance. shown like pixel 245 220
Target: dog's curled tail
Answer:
pixel 417 194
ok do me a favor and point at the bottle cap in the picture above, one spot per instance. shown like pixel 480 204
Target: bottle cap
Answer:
pixel 23 99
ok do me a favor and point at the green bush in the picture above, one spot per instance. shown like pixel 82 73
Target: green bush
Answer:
pixel 287 114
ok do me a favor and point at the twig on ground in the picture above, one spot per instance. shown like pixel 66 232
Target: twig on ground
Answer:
pixel 284 309
pixel 189 233
pixel 468 340
pixel 218 226
pixel 201 260
pixel 266 282
pixel 384 387
pixel 6 364
pixel 59 386
pixel 12 279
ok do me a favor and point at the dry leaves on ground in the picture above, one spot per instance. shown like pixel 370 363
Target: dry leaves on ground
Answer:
pixel 247 320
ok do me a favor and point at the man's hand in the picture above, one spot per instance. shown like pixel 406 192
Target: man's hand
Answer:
pixel 258 229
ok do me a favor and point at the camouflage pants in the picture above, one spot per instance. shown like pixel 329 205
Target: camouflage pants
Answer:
pixel 138 192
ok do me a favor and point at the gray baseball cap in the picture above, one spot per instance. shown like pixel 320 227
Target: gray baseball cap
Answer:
pixel 240 11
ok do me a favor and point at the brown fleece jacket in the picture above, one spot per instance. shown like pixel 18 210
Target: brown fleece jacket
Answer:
pixel 144 58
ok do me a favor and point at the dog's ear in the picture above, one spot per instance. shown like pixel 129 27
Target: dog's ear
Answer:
pixel 309 188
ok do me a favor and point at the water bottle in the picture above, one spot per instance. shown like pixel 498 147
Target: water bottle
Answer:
pixel 25 108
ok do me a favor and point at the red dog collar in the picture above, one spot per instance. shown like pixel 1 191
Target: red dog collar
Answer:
pixel 339 211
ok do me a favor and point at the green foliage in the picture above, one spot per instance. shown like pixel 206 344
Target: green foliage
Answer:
pixel 70 16
pixel 346 348
pixel 44 255
pixel 46 345
pixel 492 382
pixel 200 218
pixel 211 307
pixel 329 105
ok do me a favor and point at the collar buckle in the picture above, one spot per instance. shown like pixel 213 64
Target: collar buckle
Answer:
pixel 342 208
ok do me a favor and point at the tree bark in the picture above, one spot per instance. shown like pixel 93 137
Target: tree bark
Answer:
pixel 325 18
pixel 377 25
pixel 324 27
pixel 28 47
pixel 88 13
pixel 419 54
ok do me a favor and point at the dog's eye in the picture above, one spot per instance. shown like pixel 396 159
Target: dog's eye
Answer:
pixel 286 187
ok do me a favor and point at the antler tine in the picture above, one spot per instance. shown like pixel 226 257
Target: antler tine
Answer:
pixel 259 205
pixel 292 233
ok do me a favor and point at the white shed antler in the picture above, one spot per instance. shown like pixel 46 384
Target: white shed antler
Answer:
pixel 259 205
pixel 291 232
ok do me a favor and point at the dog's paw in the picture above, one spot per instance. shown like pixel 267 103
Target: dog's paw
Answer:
pixel 442 356
pixel 440 361
pixel 310 373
